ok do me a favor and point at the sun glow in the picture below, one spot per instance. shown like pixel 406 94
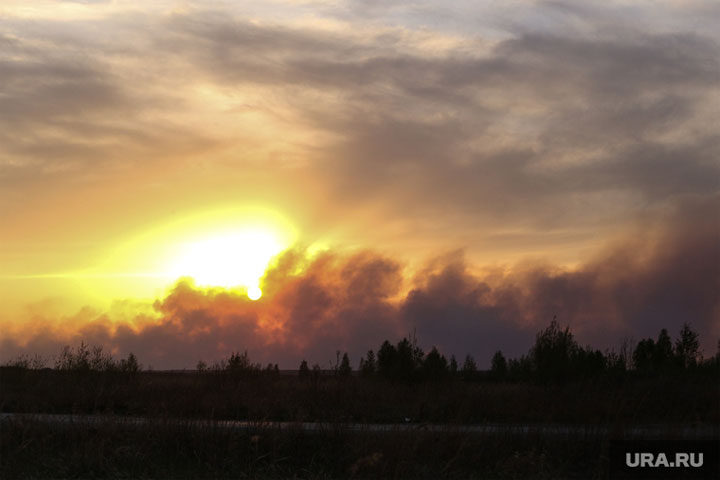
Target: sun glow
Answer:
pixel 229 260
pixel 254 293
pixel 216 247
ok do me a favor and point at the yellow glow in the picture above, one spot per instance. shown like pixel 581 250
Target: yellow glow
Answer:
pixel 217 247
pixel 228 260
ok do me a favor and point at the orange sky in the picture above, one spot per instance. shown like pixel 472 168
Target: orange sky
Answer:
pixel 502 143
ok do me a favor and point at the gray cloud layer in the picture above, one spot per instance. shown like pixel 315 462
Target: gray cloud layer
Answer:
pixel 557 128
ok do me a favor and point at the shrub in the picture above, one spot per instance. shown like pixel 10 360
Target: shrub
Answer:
pixel 553 352
pixel 130 364
pixel 304 369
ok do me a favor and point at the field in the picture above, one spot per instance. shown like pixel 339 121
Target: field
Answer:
pixel 180 436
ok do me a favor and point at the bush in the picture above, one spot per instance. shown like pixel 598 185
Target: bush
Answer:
pixel 130 364
pixel 304 369
pixel 554 350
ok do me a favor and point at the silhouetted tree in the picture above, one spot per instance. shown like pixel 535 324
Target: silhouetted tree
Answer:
pixel 400 362
pixel 130 364
pixel 406 360
pixel 304 369
pixel 201 366
pixel 520 368
pixel 101 361
pixel 687 347
pixel 345 370
pixel 469 368
pixel 367 366
pixel 644 354
pixel 85 359
pixel 453 367
pixel 615 363
pixel 663 353
pixel 552 353
pixel 337 362
pixel 23 362
pixel 77 361
pixel 219 366
pixel 434 365
pixel 498 366
pixel 386 359
pixel 418 355
pixel 587 362
pixel 240 363
pixel 618 362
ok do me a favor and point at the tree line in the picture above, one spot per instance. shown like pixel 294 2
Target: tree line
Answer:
pixel 83 358
pixel 555 357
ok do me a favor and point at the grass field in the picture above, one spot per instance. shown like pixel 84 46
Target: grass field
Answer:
pixel 162 449
pixel 166 446
pixel 635 399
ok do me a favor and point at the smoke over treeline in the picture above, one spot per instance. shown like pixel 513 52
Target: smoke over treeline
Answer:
pixel 312 306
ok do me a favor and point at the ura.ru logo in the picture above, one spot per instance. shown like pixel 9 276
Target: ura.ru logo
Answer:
pixel 680 459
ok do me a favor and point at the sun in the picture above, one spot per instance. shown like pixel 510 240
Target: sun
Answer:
pixel 229 259
pixel 254 293
pixel 218 246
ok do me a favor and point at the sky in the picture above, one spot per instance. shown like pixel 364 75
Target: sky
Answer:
pixel 463 171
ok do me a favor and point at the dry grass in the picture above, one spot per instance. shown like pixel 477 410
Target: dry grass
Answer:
pixel 171 449
pixel 663 399
pixel 161 449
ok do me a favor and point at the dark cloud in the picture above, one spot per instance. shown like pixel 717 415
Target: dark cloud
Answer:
pixel 591 101
pixel 526 125
pixel 458 312
pixel 660 277
pixel 657 279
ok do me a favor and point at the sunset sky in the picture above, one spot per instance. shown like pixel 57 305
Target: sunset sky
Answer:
pixel 464 170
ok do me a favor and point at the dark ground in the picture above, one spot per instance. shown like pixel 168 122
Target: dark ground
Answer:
pixel 163 448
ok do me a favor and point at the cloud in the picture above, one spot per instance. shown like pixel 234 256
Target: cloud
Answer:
pixel 313 306
pixel 543 124
pixel 335 302
pixel 75 110
pixel 545 134
pixel 535 129
pixel 658 277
